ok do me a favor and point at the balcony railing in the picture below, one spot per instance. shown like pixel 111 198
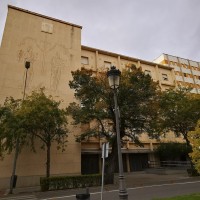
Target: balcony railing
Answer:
pixel 169 164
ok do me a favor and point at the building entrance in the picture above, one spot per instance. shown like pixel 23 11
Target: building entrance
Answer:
pixel 138 161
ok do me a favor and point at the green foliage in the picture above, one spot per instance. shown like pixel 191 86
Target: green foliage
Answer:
pixel 44 119
pixel 137 100
pixel 185 197
pixel 138 104
pixel 194 138
pixel 36 117
pixel 171 150
pixel 193 172
pixel 180 111
pixel 11 125
pixel 68 182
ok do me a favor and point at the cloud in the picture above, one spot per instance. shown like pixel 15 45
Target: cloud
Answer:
pixel 142 29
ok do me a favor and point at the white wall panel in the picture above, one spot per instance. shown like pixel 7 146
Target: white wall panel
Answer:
pixel 183 61
pixel 177 68
pixel 179 78
pixel 193 63
pixel 172 58
pixel 196 72
pixel 189 80
pixel 197 81
pixel 188 71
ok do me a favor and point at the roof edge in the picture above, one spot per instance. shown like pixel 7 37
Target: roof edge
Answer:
pixel 83 47
pixel 44 16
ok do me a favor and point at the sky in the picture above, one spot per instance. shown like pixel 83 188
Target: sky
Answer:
pixel 141 29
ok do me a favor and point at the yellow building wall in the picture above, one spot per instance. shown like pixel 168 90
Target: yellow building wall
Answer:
pixel 54 50
pixel 96 60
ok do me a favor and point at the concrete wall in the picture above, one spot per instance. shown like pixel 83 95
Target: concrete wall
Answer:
pixel 54 50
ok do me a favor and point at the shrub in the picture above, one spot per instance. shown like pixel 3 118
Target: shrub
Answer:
pixel 192 172
pixel 172 150
pixel 68 182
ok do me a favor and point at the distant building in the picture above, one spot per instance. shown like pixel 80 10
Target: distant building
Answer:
pixel 187 72
pixel 54 49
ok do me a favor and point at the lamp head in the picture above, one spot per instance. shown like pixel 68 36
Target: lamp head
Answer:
pixel 27 64
pixel 113 77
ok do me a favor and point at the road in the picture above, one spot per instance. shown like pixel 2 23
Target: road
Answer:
pixel 145 192
pixel 141 186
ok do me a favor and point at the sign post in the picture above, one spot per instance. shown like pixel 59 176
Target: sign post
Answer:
pixel 105 149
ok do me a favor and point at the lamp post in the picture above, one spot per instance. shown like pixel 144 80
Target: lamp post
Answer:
pixel 113 79
pixel 14 177
pixel 27 66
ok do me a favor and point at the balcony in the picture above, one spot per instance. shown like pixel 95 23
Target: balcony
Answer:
pixel 197 81
pixel 178 69
pixel 179 78
pixel 195 72
pixel 187 71
pixel 189 80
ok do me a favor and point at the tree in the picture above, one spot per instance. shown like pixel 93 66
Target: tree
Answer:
pixel 180 111
pixel 43 119
pixel 12 134
pixel 36 117
pixel 194 138
pixel 137 100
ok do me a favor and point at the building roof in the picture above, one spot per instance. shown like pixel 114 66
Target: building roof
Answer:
pixel 43 16
pixel 165 54
pixel 124 57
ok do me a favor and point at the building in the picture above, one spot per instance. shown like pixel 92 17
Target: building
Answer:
pixel 54 49
pixel 187 72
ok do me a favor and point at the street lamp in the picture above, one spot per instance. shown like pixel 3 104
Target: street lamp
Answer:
pixel 113 79
pixel 27 66
pixel 14 177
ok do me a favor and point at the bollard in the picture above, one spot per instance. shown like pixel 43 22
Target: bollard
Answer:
pixel 85 196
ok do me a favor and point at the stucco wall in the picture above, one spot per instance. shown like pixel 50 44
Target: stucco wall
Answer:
pixel 54 50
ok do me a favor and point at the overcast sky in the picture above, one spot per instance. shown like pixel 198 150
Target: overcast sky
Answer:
pixel 138 28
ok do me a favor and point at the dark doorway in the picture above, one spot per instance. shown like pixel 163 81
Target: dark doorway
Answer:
pixel 138 161
pixel 89 164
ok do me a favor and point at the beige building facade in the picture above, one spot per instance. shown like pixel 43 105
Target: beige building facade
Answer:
pixel 53 48
pixel 187 72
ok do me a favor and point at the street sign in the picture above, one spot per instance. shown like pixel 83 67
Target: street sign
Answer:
pixel 105 150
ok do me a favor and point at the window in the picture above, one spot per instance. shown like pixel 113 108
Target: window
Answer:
pixel 107 64
pixel 47 27
pixel 185 75
pixel 84 60
pixel 147 72
pixel 164 77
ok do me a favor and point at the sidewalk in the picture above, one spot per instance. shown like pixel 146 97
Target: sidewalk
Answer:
pixel 134 179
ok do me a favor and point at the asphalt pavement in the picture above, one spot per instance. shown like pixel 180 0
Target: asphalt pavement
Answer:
pixel 143 185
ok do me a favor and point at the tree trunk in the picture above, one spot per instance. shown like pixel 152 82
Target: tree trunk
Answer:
pixel 48 159
pixel 190 148
pixel 111 162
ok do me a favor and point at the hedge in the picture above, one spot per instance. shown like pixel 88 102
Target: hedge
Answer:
pixel 69 182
